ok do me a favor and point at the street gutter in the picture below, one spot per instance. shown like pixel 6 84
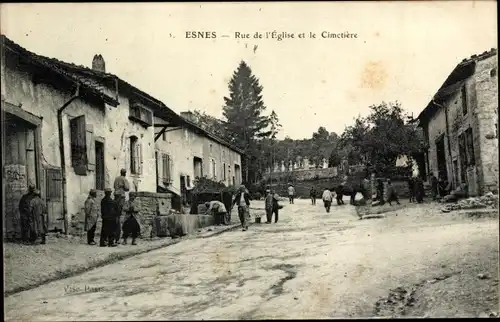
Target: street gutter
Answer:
pixel 115 257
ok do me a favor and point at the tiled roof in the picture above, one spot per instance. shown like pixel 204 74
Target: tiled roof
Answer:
pixel 452 82
pixel 96 80
pixel 92 85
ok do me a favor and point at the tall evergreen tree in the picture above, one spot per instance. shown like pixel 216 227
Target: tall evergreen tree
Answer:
pixel 243 111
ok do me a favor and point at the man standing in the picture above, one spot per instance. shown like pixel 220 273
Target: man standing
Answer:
pixel 419 189
pixel 218 210
pixel 243 201
pixel 121 186
pixel 291 193
pixel 269 206
pixel 275 207
pixel 434 186
pixel 327 199
pixel 312 194
pixel 91 216
pixel 411 188
pixel 380 191
pixel 38 218
pixel 24 212
pixel 339 191
pixel 131 226
pixel 109 212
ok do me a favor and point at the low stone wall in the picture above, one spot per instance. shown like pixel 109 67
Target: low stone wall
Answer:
pixel 179 224
pixel 149 203
pixel 301 175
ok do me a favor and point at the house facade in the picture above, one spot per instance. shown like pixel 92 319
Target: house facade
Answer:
pixel 187 152
pixel 460 126
pixel 69 129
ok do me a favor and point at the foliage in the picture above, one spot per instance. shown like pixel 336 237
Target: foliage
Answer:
pixel 206 185
pixel 380 138
pixel 212 124
pixel 243 111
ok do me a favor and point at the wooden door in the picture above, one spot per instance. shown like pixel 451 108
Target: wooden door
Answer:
pixel 54 199
pixel 17 171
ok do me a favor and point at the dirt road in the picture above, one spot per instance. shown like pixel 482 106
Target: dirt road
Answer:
pixel 309 265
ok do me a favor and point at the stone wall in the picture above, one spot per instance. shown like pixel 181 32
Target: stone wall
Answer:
pixel 149 203
pixel 301 175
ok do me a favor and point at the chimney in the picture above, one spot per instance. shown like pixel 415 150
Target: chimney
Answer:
pixel 98 63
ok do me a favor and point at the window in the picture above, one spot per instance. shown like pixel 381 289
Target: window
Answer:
pixel 464 100
pixel 210 148
pixel 140 114
pixel 167 169
pixel 82 146
pixel 135 156
pixel 188 181
pixel 470 147
pixel 493 72
pixel 224 172
pixel 164 136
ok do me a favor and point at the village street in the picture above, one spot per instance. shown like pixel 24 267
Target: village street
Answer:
pixel 309 265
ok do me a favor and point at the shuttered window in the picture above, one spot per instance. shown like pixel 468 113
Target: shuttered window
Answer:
pixel 135 156
pixel 166 169
pixel 82 145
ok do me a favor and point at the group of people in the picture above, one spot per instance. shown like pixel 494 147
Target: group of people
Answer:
pixel 222 212
pixel 111 213
pixel 33 216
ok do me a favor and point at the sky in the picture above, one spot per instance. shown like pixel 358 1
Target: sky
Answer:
pixel 403 51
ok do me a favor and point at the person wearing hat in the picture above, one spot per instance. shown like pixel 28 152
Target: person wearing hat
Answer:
pixel 38 218
pixel 131 226
pixel 24 212
pixel 109 212
pixel 121 186
pixel 216 209
pixel 243 200
pixel 291 193
pixel 91 216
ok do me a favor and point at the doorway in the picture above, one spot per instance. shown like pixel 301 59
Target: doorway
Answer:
pixel 441 158
pixel 100 178
pixel 19 169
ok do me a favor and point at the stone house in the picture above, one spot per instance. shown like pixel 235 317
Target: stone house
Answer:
pixel 188 151
pixel 70 129
pixel 460 125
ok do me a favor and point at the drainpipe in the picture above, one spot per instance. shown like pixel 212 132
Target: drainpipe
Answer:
pixel 61 153
pixel 447 137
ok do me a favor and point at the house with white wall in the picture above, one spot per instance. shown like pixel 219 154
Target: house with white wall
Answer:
pixel 69 129
pixel 188 151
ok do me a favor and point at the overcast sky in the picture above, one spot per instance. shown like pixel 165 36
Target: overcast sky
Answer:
pixel 404 51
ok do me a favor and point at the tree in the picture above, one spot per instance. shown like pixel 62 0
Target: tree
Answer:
pixel 380 138
pixel 243 111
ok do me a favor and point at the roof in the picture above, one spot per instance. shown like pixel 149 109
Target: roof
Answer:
pixel 454 82
pixel 97 80
pixel 211 135
pixel 90 84
pixel 104 78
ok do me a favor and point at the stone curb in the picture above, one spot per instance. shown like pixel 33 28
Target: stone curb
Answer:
pixel 111 259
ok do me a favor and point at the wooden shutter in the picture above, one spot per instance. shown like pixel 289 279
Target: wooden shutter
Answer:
pixel 79 145
pixel 170 169
pixel 90 147
pixel 164 167
pixel 54 184
pixel 139 158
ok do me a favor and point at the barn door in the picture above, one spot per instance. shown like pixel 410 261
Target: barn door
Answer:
pixel 54 199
